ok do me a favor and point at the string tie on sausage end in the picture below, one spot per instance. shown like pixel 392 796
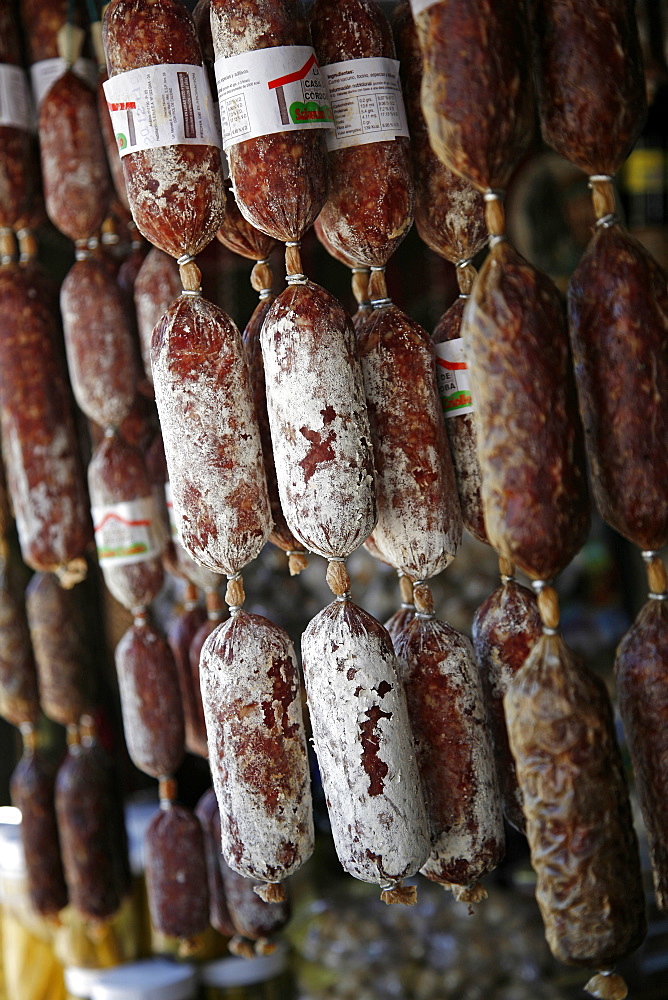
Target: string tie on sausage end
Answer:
pixel 466 275
pixel 264 946
pixel 235 594
pixel 495 215
pixel 294 274
pixel 607 220
pixel 191 276
pixel 297 561
pixel 548 606
pixel 395 892
pixel 406 590
pixel 82 250
pixel 71 573
pixel 338 579
pixel 423 599
pixel 506 570
pixel 378 295
pixel 657 580
pixel 167 788
pixel 241 947
pixel 139 616
pixel 29 737
pixel 271 892
pixel 472 893
pixel 607 985
pixel 261 279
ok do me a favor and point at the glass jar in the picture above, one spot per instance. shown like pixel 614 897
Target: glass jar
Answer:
pixel 266 977
pixel 152 979
pixel 79 982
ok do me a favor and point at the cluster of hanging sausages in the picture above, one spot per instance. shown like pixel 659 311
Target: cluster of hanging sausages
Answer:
pixel 322 434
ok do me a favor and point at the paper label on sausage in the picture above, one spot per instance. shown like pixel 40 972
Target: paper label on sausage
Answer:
pixel 367 102
pixel 452 377
pixel 15 105
pixel 168 105
pixel 126 532
pixel 45 72
pixel 417 6
pixel 280 89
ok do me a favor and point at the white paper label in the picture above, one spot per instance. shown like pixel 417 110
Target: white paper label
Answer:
pixel 44 73
pixel 15 105
pixel 271 90
pixel 417 6
pixel 126 532
pixel 452 376
pixel 367 102
pixel 168 105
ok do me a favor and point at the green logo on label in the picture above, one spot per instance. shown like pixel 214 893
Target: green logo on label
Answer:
pixel 121 140
pixel 310 113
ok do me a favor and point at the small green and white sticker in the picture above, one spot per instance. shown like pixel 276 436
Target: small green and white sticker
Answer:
pixel 127 533
pixel 452 377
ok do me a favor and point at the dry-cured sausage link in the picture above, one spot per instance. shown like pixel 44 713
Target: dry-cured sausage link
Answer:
pixel 125 518
pixel 280 177
pixel 449 212
pixel 150 700
pixel 18 169
pixel 58 636
pixel 19 696
pixel 219 915
pixel 32 790
pixel 39 442
pixel 452 378
pixel 477 94
pixel 101 352
pixel 239 236
pixel 87 833
pixel 590 80
pixel 419 523
pixel 505 628
pixel 405 614
pixel 176 876
pixel 215 614
pixel 181 635
pixel 618 316
pixel 529 437
pixel 74 164
pixel 369 209
pixel 157 285
pixel 319 421
pixel 211 438
pixel 643 704
pixel 175 190
pixel 454 750
pixel 569 768
pixel 364 747
pixel 257 748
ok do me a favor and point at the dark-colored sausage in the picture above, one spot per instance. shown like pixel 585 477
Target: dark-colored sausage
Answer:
pixel 219 915
pixel 157 285
pixel 176 878
pixel 180 637
pixel 19 697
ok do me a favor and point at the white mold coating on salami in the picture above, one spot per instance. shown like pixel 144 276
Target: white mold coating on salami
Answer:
pixel 454 749
pixel 419 519
pixel 257 747
pixel 156 286
pixel 364 746
pixel 212 442
pixel 319 423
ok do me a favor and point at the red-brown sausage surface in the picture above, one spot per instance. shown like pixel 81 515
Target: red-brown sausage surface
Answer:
pixel 640 673
pixel 19 696
pixel 207 813
pixel 157 285
pixel 150 701
pixel 505 628
pixel 529 437
pixel 590 80
pixel 618 313
pixel 578 818
pixel 176 878
pixel 18 169
pixel 180 637
pixel 175 192
pixel 369 209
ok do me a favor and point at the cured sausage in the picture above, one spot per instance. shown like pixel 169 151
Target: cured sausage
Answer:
pixel 157 285
pixel 561 731
pixel 319 422
pixel 641 693
pixel 280 533
pixel 477 95
pixel 449 212
pixel 19 697
pixel 58 636
pixel 419 523
pixel 175 191
pixel 39 442
pixel 239 236
pixel 404 615
pixel 364 747
pixel 257 747
pixel 369 208
pixel 215 614
pixel 505 629
pixel 74 165
pixel 32 791
pixel 359 276
pixel 460 420
pixel 18 172
pixel 180 637
pixel 529 437
pixel 618 317
pixel 125 518
pixel 280 179
pixel 176 877
pixel 87 834
pixel 100 348
pixel 207 813
pixel 454 750
pixel 212 442
pixel 150 700
pixel 590 80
